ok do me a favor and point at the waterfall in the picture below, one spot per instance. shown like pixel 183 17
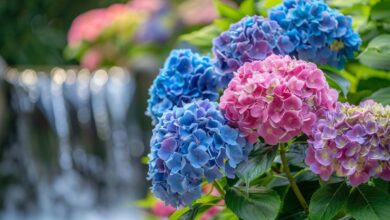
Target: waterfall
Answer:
pixel 74 146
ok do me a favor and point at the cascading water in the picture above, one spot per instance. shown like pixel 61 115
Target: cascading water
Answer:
pixel 73 150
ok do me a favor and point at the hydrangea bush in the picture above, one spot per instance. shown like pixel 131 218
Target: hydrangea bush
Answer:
pixel 269 122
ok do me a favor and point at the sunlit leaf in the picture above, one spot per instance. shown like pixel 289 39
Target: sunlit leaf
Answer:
pixel 377 53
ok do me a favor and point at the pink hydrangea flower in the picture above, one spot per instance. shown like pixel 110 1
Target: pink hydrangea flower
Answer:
pixel 89 25
pixel 352 141
pixel 161 210
pixel 277 98
pixel 92 59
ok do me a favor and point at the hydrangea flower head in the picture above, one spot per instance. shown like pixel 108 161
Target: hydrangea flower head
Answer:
pixel 319 33
pixel 184 77
pixel 277 98
pixel 353 142
pixel 252 38
pixel 190 144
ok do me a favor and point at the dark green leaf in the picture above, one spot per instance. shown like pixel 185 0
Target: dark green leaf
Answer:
pixel 377 53
pixel 367 202
pixel 381 10
pixel 327 201
pixel 227 11
pixel 260 161
pixel 356 97
pixel 296 155
pixel 382 96
pixel 254 203
pixel 202 38
pixel 247 7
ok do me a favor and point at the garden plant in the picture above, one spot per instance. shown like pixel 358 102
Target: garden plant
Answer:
pixel 281 112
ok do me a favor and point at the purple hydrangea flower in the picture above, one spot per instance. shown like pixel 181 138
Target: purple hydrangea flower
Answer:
pixel 190 144
pixel 352 141
pixel 318 33
pixel 252 38
pixel 184 77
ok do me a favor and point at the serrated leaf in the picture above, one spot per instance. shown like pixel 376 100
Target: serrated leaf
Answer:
pixel 367 202
pixel 377 53
pixel 247 7
pixel 381 96
pixel 260 161
pixel 327 201
pixel 202 38
pixel 254 203
pixel 227 11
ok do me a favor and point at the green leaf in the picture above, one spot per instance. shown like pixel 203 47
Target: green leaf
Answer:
pixel 381 10
pixel 179 213
pixel 260 161
pixel 367 202
pixel 254 203
pixel 382 96
pixel 247 7
pixel 327 201
pixel 227 11
pixel 296 155
pixel 377 53
pixel 356 97
pixel 337 82
pixel 202 38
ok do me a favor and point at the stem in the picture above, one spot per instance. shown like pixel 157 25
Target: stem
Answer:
pixel 219 188
pixel 291 178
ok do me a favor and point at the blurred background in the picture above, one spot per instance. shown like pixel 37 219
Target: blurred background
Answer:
pixel 74 79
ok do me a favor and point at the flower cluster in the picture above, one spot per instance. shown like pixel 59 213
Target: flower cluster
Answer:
pixel 319 33
pixel 185 76
pixel 190 144
pixel 277 98
pixel 252 38
pixel 353 141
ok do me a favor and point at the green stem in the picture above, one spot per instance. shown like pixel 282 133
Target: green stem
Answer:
pixel 218 186
pixel 291 178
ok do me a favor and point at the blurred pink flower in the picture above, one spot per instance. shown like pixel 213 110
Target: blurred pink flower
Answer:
pixel 89 25
pixel 211 213
pixel 146 5
pixel 91 59
pixel 195 12
pixel 161 210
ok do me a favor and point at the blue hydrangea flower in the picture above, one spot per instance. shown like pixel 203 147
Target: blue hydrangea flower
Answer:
pixel 190 144
pixel 184 77
pixel 319 33
pixel 252 38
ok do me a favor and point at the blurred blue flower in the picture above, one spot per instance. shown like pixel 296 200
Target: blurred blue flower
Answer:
pixel 190 144
pixel 185 76
pixel 319 33
pixel 252 38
